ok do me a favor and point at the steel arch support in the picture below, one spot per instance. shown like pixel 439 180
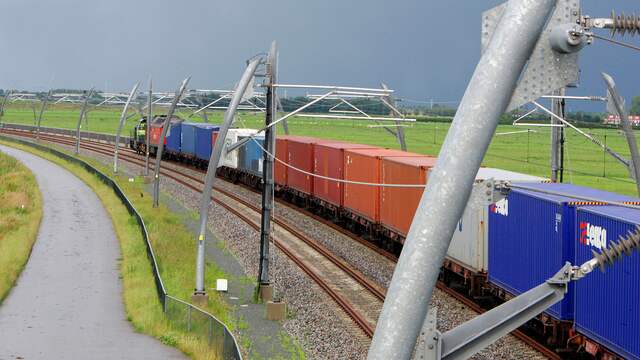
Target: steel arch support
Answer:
pixel 123 118
pixel 165 128
pixel 486 98
pixel 216 154
pixel 83 111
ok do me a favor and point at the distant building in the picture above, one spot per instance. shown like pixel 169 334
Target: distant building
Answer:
pixel 615 120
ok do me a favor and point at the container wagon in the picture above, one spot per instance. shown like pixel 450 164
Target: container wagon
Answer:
pixel 531 236
pixel 300 156
pixel 188 141
pixel 203 145
pixel 229 161
pixel 173 138
pixel 250 161
pixel 466 264
pixel 328 161
pixel 361 208
pixel 606 304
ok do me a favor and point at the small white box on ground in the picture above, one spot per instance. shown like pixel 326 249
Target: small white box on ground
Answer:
pixel 221 285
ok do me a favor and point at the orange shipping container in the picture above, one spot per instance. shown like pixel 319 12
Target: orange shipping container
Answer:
pixel 280 170
pixel 300 156
pixel 363 165
pixel 329 161
pixel 399 205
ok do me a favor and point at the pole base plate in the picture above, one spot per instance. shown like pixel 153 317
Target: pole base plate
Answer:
pixel 276 310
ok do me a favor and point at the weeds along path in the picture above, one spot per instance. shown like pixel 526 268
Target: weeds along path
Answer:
pixel 67 303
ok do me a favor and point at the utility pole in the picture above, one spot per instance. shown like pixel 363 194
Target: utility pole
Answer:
pixel 44 105
pixel 83 111
pixel 266 290
pixel 557 137
pixel 147 131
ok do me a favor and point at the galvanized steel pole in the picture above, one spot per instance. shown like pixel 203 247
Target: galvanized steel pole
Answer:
pixel 556 135
pixel 214 161
pixel 446 195
pixel 4 103
pixel 83 110
pixel 163 135
pixel 44 105
pixel 626 126
pixel 147 131
pixel 123 117
pixel 267 168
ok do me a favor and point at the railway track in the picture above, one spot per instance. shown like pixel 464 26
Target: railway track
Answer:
pixel 315 260
pixel 359 297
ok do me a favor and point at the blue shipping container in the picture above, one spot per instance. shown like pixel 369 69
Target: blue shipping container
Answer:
pixel 188 143
pixel 606 304
pixel 250 156
pixel 531 237
pixel 174 137
pixel 203 140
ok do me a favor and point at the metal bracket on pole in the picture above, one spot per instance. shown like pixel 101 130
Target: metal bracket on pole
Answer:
pixel 476 334
pixel 44 105
pixel 216 154
pixel 547 70
pixel 83 111
pixel 123 117
pixel 618 104
pixel 487 97
pixel 163 135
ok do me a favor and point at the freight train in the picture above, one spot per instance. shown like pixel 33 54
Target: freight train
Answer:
pixel 505 242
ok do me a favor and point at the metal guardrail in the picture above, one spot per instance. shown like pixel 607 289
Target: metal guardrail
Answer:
pixel 181 314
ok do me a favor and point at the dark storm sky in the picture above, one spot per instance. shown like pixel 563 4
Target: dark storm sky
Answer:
pixel 422 48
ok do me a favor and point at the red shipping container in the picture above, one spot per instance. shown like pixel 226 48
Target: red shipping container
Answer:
pixel 279 169
pixel 300 156
pixel 329 161
pixel 399 205
pixel 364 165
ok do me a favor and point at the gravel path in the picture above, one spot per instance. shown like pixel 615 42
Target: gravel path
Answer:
pixel 313 320
pixel 67 303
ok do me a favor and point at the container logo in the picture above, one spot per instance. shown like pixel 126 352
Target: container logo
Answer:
pixel 592 235
pixel 501 207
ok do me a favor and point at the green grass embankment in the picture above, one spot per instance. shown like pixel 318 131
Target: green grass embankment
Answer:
pixel 174 248
pixel 20 216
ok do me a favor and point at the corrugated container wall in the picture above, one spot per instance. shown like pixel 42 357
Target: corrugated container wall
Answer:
pixel 530 238
pixel 534 230
pixel 329 162
pixel 231 159
pixel 174 135
pixel 606 305
pixel 300 156
pixel 250 156
pixel 280 170
pixel 398 205
pixel 363 165
pixel 188 143
pixel 204 140
pixel 469 245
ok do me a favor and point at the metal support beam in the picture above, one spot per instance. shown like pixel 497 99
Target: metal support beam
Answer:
pixel 44 105
pixel 83 111
pixel 446 195
pixel 147 132
pixel 123 118
pixel 214 161
pixel 163 135
pixel 390 103
pixel 4 103
pixel 464 341
pixel 626 126
pixel 267 168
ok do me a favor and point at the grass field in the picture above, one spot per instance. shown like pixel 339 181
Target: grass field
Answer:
pixel 585 163
pixel 172 243
pixel 20 215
